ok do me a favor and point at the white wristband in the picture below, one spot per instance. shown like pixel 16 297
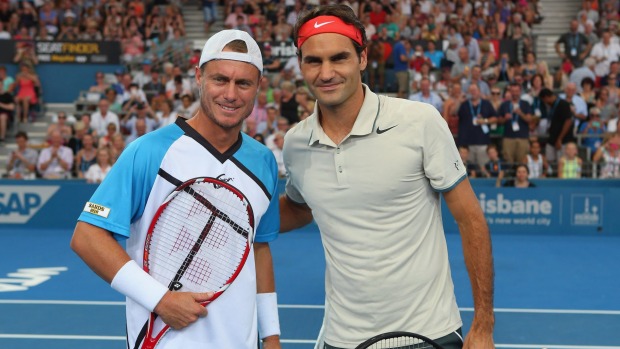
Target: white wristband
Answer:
pixel 135 283
pixel 267 310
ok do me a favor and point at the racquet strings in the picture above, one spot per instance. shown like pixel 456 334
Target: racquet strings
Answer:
pixel 403 342
pixel 178 228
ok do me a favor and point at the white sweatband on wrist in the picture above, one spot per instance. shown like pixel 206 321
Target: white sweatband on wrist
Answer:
pixel 267 310
pixel 135 283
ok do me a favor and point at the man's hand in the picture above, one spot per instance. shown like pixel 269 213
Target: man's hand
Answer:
pixel 272 342
pixel 478 338
pixel 180 309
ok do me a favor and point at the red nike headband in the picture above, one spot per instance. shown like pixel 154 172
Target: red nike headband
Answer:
pixel 327 24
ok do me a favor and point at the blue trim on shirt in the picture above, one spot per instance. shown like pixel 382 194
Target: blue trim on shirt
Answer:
pixel 452 186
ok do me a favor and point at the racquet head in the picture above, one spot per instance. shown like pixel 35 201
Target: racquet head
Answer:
pixel 198 240
pixel 399 340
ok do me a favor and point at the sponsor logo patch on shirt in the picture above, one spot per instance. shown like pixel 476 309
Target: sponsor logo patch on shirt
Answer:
pixel 97 209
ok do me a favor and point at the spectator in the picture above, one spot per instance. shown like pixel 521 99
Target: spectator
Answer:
pixel 543 70
pixel 604 53
pixel 401 55
pixel 472 47
pixel 278 141
pixel 516 114
pixel 530 68
pixel 521 180
pixel 592 128
pixel 570 165
pixel 282 126
pixel 188 107
pixel 61 126
pixel 576 45
pixel 588 11
pixel 100 85
pixel 140 126
pixel 605 105
pixel 427 96
pixel 417 60
pixel 452 106
pixel 472 169
pixel 271 63
pixel 165 114
pixel 140 111
pixel 102 117
pixel 4 34
pixel 76 142
pixel 7 108
pixel 85 157
pixel 231 19
pixel 487 60
pixel 609 154
pixel 132 44
pixel 561 124
pixel 305 100
pixel 476 79
pixel 537 164
pixel 588 94
pixel 55 161
pixel 23 160
pixel 579 107
pixel 143 77
pixel 116 146
pixel 612 125
pixel 376 65
pixel 434 55
pixel 370 28
pixel 209 13
pixel 583 72
pixel 425 72
pixel 475 115
pixel 288 104
pixel 155 86
pixel 98 171
pixel 494 167
pixel 461 69
pixel 91 32
pixel 113 101
pixel 7 81
pixel 27 84
pixel 48 17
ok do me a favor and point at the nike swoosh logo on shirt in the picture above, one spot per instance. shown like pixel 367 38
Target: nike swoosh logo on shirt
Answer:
pixel 380 131
pixel 317 25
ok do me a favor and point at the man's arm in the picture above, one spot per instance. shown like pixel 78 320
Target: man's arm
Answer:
pixel 103 254
pixel 293 215
pixel 265 284
pixel 476 241
pixel 566 128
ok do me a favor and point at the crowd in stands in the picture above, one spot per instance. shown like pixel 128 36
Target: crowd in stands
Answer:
pixel 513 117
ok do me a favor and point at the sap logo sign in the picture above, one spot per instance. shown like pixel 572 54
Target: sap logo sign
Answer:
pixel 20 203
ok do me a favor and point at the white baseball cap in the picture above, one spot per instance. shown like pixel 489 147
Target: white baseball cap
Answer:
pixel 214 46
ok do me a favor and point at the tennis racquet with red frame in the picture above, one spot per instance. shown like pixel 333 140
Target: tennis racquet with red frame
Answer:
pixel 198 241
pixel 399 340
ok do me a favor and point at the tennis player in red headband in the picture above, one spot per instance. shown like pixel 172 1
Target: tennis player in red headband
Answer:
pixel 370 170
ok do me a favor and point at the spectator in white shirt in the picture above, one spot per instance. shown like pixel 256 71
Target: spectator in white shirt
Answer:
pixel 605 52
pixel 102 117
pixel 427 96
pixel 55 161
pixel 96 172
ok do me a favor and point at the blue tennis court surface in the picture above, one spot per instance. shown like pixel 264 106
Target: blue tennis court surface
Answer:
pixel 552 291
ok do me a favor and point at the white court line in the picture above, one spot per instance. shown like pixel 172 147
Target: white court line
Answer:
pixel 309 306
pixel 287 341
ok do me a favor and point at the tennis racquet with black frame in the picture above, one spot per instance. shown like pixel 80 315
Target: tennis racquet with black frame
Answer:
pixel 399 340
pixel 198 241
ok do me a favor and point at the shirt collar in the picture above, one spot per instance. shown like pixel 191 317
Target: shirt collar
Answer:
pixel 364 123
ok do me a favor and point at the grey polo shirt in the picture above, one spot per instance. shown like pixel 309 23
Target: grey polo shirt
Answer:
pixel 375 197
